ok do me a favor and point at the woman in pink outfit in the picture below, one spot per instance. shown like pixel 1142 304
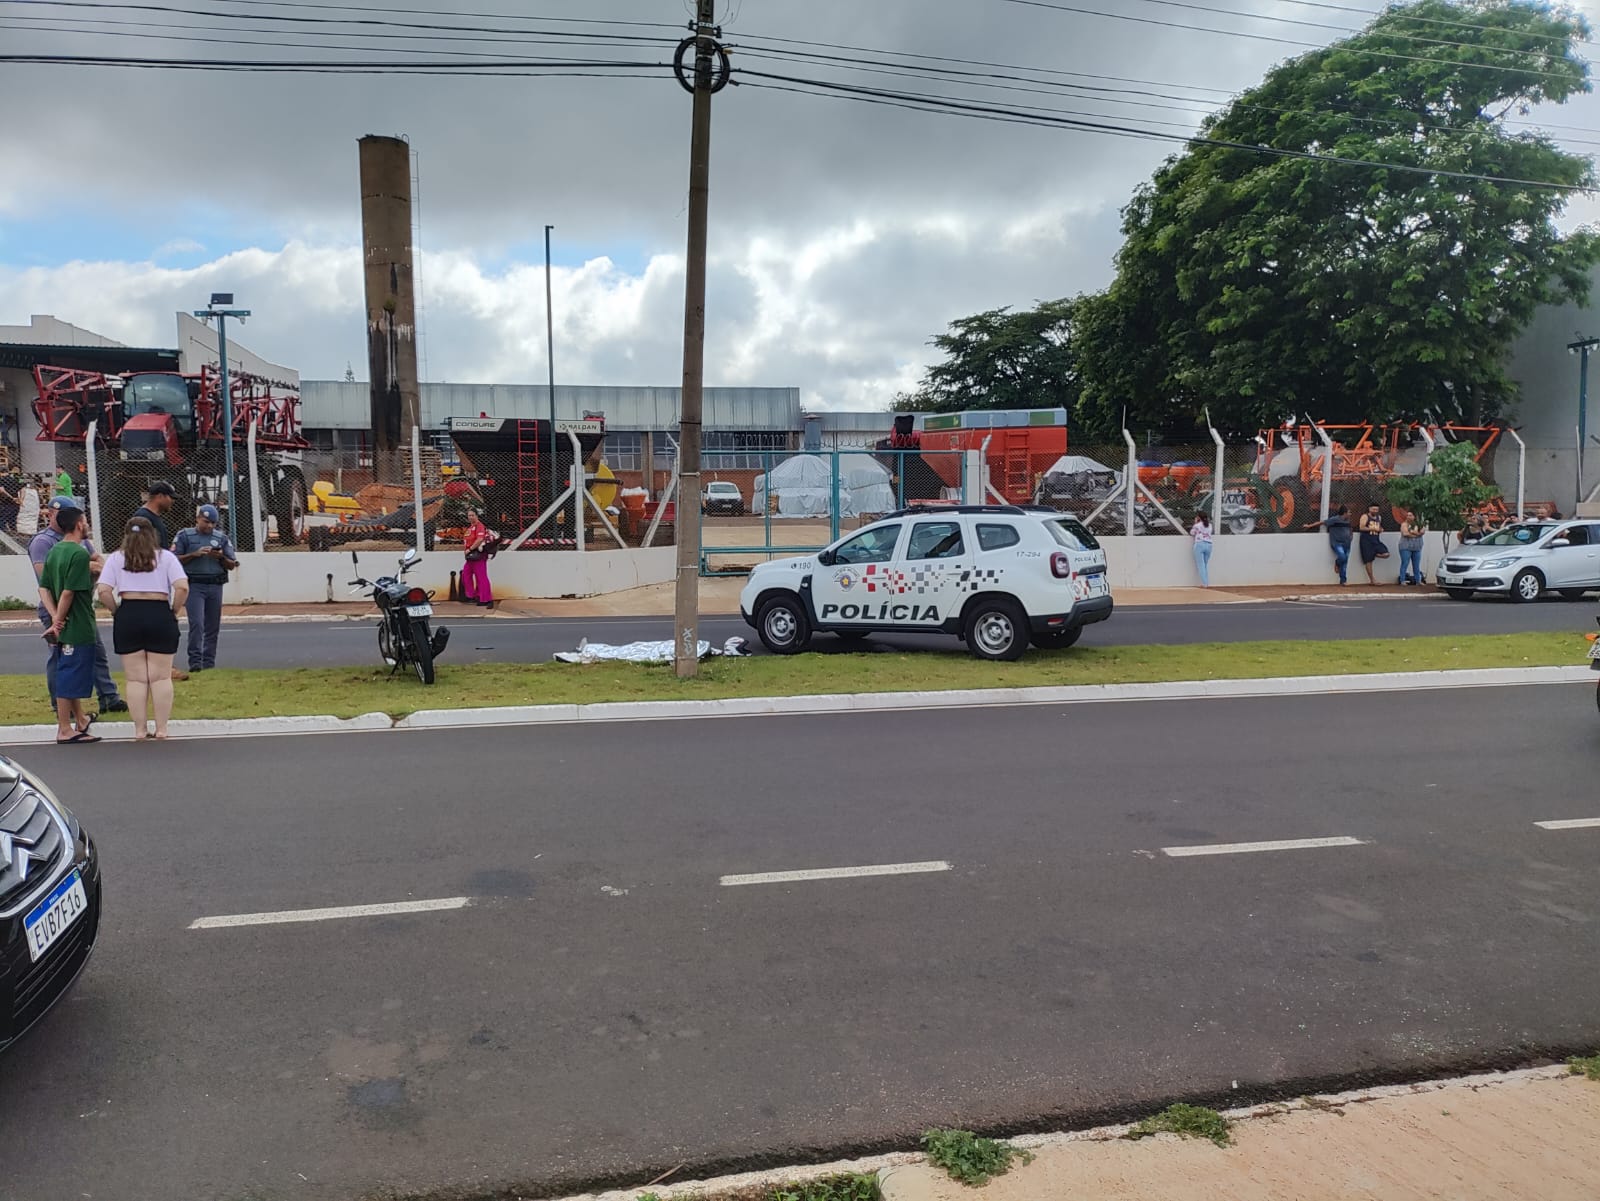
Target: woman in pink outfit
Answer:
pixel 475 588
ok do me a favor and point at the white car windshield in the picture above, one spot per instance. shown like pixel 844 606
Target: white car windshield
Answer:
pixel 725 489
pixel 1524 534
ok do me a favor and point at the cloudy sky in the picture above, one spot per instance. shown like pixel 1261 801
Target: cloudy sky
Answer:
pixel 843 235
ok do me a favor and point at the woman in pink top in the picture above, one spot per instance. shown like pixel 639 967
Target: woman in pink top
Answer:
pixel 145 588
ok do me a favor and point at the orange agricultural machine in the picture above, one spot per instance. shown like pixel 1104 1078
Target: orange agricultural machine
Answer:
pixel 1022 445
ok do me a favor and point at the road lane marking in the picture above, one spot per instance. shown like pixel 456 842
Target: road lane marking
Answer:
pixel 1245 848
pixel 284 916
pixel 836 873
pixel 1576 823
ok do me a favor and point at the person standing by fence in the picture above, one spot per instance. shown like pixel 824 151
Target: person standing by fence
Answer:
pixel 145 588
pixel 1411 535
pixel 39 548
pixel 480 540
pixel 207 557
pixel 1339 537
pixel 1201 533
pixel 66 590
pixel 1372 547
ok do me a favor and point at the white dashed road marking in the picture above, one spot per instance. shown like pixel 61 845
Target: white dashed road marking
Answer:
pixel 1577 823
pixel 837 873
pixel 327 915
pixel 1245 848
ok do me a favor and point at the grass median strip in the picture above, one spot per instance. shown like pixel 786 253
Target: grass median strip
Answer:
pixel 350 691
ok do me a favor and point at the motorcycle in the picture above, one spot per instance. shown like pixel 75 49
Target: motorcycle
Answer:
pixel 1594 660
pixel 404 639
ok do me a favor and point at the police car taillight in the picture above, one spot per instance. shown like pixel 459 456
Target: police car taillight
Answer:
pixel 1061 565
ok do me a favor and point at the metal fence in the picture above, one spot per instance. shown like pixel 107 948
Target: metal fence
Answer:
pixel 1281 481
pixel 757 506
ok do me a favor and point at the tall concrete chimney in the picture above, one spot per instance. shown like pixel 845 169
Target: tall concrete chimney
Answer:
pixel 391 299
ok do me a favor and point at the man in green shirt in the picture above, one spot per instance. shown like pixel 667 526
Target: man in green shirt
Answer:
pixel 64 483
pixel 66 590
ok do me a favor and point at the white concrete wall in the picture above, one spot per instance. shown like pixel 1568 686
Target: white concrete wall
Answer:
pixel 17 393
pixel 1239 561
pixel 293 578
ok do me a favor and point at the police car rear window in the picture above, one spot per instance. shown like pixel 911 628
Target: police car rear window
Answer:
pixel 1071 533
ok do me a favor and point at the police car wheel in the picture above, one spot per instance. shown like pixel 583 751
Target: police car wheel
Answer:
pixel 997 629
pixel 783 626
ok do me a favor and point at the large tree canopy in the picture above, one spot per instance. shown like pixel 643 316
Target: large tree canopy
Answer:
pixel 1264 285
pixel 1003 360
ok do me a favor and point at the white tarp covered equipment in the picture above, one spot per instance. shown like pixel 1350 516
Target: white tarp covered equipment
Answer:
pixel 645 652
pixel 803 486
pixel 1080 465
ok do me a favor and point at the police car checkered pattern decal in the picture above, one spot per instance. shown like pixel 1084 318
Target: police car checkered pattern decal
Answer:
pixel 924 578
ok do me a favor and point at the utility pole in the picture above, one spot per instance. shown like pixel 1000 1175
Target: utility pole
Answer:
pixel 711 72
pixel 550 338
pixel 222 315
pixel 1581 348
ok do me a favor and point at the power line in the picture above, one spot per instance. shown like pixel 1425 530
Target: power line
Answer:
pixel 510 69
pixel 1263 37
pixel 1403 119
pixel 194 36
pixel 951 105
pixel 1192 6
pixel 387 8
pixel 1088 92
pixel 363 21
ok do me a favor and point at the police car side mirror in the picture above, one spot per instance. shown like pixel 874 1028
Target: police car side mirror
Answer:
pixel 825 559
pixel 1561 542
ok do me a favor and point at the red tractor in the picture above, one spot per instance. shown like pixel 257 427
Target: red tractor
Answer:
pixel 161 425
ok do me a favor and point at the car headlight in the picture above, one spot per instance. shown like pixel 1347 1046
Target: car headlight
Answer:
pixel 1499 564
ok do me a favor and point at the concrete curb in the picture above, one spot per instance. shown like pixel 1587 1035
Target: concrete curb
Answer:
pixel 122 731
pixel 868 702
pixel 884 1165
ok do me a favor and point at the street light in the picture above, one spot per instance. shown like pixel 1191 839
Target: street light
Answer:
pixel 220 308
pixel 1581 348
pixel 550 337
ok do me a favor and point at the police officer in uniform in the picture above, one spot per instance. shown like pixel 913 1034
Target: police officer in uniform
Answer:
pixel 207 557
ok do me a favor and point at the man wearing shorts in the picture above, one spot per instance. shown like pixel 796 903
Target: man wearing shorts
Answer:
pixel 66 589
pixel 39 548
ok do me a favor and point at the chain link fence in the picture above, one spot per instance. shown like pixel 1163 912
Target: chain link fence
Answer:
pixel 760 505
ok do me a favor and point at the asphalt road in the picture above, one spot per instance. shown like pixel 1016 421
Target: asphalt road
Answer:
pixel 515 640
pixel 604 1008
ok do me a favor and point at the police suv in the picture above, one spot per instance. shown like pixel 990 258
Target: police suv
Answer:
pixel 997 576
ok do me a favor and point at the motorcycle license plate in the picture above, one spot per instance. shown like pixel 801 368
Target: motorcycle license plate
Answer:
pixel 53 916
pixel 419 610
pixel 1594 651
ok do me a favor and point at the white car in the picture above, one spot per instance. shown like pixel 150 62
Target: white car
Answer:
pixel 997 576
pixel 1526 559
pixel 722 496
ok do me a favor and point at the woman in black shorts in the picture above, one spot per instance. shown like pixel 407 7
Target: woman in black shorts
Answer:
pixel 145 588
pixel 1372 547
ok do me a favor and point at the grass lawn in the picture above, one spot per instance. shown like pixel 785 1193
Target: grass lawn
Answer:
pixel 346 692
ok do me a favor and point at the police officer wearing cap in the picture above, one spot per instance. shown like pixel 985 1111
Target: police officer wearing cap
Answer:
pixel 207 556
pixel 38 551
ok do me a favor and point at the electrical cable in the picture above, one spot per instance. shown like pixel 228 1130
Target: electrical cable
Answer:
pixel 1263 37
pixel 953 106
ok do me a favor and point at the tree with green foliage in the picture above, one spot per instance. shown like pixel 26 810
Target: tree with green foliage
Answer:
pixel 1267 284
pixel 1002 360
pixel 1451 490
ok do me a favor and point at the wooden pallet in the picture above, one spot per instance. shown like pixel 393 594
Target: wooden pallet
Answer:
pixel 432 467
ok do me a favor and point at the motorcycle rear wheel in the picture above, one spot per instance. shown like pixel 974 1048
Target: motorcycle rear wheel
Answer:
pixel 421 655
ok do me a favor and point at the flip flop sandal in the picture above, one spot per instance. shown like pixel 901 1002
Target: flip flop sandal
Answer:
pixel 84 737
